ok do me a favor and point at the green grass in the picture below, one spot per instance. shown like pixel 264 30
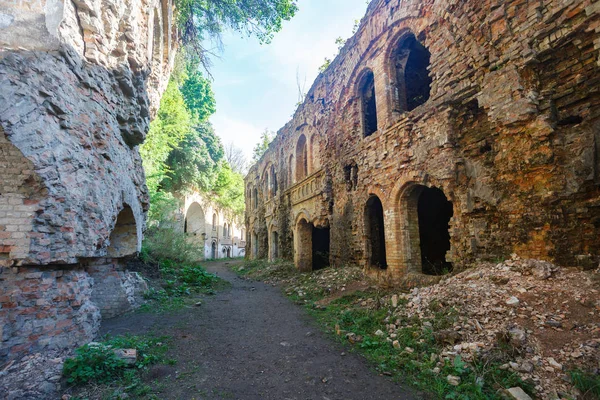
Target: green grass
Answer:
pixel 587 383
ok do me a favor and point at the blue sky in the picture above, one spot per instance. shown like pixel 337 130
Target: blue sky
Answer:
pixel 255 85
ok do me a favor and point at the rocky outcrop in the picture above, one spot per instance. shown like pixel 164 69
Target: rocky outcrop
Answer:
pixel 79 83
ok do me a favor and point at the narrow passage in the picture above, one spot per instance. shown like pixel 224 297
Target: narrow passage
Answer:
pixel 250 342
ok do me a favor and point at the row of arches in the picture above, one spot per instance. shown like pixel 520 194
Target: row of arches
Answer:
pixel 300 164
pixel 423 234
pixel 410 82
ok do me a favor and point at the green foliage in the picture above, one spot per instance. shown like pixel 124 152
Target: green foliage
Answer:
pixel 180 274
pixel 171 125
pixel 165 245
pixel 97 362
pixel 198 95
pixel 163 210
pixel 325 65
pixel 263 145
pixel 93 363
pixel 204 19
pixel 229 190
pixel 588 384
pixel 194 165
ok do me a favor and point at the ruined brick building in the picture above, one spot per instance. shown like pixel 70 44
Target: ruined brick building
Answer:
pixel 215 229
pixel 445 133
pixel 79 82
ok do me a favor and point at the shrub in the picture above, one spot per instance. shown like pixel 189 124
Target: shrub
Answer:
pixel 163 245
pixel 98 362
pixel 95 362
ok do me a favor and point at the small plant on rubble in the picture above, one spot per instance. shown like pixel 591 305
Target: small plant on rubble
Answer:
pixel 98 362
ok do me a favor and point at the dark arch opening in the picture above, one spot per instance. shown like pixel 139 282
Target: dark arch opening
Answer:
pixel 368 104
pixel 321 241
pixel 435 212
pixel 413 81
pixel 274 246
pixel 213 251
pixel 375 233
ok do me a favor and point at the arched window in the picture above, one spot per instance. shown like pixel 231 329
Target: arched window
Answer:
pixel 225 230
pixel 313 152
pixel 273 180
pixel 375 233
pixel 413 83
pixel 301 158
pixel 249 194
pixel 255 196
pixel 291 170
pixel 214 222
pixel 368 103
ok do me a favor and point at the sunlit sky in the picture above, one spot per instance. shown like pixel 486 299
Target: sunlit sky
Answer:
pixel 256 85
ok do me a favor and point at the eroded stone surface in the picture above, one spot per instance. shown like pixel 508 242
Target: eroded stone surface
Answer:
pixel 79 83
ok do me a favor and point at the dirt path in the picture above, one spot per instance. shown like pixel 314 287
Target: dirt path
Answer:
pixel 250 342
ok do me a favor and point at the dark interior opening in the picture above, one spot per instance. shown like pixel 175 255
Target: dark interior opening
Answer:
pixel 435 212
pixel 320 246
pixel 412 61
pixel 275 245
pixel 376 233
pixel 570 120
pixel 369 105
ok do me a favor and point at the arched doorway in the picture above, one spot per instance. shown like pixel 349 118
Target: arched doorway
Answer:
pixel 254 245
pixel 213 251
pixel 194 220
pixel 274 253
pixel 375 233
pixel 303 246
pixel 435 212
pixel 312 246
pixel 427 215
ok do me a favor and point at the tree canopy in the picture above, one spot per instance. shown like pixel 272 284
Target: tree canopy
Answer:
pixel 182 152
pixel 200 20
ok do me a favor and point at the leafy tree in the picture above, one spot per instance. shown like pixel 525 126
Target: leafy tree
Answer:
pixel 261 147
pixel 229 189
pixel 200 20
pixel 172 123
pixel 194 165
pixel 198 95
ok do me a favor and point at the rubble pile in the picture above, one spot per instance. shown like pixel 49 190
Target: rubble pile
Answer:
pixel 546 319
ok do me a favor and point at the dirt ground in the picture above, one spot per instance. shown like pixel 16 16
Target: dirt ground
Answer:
pixel 250 342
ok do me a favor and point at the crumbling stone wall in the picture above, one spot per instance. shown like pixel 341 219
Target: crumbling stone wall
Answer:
pixel 46 309
pixel 79 84
pixel 504 120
